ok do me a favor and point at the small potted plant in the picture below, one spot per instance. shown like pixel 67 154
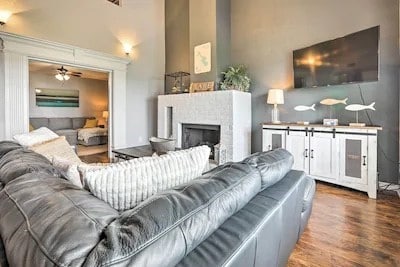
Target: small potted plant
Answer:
pixel 236 78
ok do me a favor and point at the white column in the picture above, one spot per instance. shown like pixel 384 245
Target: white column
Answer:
pixel 119 116
pixel 16 98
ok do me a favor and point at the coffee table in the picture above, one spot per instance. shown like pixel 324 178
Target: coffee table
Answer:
pixel 133 152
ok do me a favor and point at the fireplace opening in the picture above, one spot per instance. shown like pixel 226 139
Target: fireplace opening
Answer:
pixel 201 134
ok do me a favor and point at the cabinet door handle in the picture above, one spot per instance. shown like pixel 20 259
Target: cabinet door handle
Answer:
pixel 306 132
pixel 312 132
pixel 306 153
pixel 364 161
pixel 288 130
pixel 312 153
pixel 334 133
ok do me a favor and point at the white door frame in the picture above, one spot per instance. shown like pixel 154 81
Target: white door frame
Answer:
pixel 15 53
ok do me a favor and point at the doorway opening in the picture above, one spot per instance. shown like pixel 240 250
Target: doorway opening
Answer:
pixel 73 102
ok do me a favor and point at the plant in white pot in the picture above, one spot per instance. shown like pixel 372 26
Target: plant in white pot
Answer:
pixel 236 78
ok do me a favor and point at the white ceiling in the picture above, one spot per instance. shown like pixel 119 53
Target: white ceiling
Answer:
pixel 51 69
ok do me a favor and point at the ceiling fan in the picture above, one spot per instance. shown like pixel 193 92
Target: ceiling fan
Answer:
pixel 64 75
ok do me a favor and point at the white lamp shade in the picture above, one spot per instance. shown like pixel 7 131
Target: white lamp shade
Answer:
pixel 105 114
pixel 275 96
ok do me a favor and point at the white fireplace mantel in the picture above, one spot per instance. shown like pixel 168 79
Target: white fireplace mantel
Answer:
pixel 15 53
pixel 231 110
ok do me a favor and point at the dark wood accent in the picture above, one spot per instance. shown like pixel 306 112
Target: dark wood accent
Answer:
pixel 347 228
pixel 133 152
pixel 96 158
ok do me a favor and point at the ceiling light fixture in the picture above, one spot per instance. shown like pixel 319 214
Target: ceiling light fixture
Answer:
pixel 4 16
pixel 62 74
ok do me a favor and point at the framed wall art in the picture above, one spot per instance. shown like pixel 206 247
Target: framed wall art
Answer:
pixel 202 58
pixel 57 98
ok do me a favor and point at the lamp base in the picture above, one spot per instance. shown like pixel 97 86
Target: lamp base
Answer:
pixel 276 122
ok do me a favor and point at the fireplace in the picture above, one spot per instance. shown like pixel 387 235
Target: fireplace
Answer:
pixel 201 134
pixel 225 114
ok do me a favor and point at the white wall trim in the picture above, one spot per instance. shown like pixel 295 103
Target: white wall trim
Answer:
pixel 14 89
pixel 53 51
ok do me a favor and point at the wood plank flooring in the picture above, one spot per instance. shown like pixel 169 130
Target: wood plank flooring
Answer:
pixel 347 228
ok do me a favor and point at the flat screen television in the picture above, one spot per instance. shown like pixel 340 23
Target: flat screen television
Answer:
pixel 353 58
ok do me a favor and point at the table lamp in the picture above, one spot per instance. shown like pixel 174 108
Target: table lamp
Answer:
pixel 105 116
pixel 275 97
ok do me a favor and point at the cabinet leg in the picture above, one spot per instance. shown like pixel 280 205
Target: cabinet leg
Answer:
pixel 372 193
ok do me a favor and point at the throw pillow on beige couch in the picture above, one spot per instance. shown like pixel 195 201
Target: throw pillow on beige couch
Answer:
pixel 123 185
pixel 58 147
pixel 35 137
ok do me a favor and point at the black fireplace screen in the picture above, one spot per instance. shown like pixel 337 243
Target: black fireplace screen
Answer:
pixel 201 134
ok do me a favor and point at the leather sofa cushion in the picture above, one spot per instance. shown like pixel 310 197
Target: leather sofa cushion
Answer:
pixel 164 228
pixel 21 161
pixel 273 165
pixel 50 222
pixel 7 146
pixel 60 123
pixel 231 238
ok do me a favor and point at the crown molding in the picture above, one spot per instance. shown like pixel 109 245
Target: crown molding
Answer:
pixel 48 50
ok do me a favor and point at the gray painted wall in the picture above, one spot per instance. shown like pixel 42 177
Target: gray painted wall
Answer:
pixel 177 45
pixel 202 17
pixel 264 34
pixel 210 22
pixel 93 96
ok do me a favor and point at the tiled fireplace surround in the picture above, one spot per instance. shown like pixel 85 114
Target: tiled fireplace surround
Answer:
pixel 230 110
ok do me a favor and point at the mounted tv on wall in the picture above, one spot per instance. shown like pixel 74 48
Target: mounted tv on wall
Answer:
pixel 353 58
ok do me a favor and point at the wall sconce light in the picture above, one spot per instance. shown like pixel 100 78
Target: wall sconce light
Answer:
pixel 127 48
pixel 4 16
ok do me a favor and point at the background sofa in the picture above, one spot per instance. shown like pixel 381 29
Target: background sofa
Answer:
pixel 249 213
pixel 67 127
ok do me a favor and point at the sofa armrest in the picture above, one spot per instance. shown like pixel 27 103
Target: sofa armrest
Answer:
pixel 309 194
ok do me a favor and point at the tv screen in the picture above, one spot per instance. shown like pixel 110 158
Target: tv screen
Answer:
pixel 349 59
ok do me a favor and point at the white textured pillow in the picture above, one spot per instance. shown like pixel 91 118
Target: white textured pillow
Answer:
pixel 123 185
pixel 37 136
pixel 58 147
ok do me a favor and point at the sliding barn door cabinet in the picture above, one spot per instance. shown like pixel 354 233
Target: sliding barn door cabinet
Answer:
pixel 341 155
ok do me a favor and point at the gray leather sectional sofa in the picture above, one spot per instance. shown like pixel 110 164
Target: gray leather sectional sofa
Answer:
pixel 249 213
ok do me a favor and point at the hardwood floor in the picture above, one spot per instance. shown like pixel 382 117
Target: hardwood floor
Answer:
pixel 347 228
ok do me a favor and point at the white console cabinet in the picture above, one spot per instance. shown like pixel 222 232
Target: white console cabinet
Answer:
pixel 341 155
